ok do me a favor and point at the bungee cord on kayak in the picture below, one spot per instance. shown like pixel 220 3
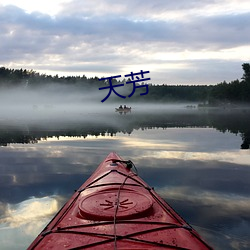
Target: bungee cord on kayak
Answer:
pixel 129 164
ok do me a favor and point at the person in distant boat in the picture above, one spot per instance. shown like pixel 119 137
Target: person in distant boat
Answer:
pixel 125 106
pixel 120 107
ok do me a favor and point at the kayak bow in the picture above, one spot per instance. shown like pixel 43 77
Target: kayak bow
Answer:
pixel 116 209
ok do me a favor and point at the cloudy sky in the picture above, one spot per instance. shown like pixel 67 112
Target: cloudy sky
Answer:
pixel 179 42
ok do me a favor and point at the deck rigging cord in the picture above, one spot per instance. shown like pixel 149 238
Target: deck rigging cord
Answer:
pixel 129 165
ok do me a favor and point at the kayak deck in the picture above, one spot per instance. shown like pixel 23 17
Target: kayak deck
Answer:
pixel 116 209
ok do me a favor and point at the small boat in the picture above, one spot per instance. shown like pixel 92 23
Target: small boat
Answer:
pixel 116 209
pixel 123 110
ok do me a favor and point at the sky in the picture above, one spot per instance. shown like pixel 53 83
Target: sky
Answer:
pixel 179 42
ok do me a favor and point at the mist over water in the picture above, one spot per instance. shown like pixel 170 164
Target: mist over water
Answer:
pixel 53 101
pixel 54 108
pixel 65 103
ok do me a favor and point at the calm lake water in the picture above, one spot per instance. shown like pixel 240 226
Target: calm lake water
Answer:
pixel 197 160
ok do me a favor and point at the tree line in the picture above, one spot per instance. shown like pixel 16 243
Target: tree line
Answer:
pixel 236 91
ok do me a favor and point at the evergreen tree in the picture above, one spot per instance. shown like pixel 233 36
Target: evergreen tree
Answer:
pixel 246 69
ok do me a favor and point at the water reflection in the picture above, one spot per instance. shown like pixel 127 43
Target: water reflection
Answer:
pixel 21 221
pixel 199 169
pixel 110 123
pixel 31 210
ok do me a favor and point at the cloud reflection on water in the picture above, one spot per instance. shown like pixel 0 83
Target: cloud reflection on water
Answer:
pixel 234 156
pixel 207 184
pixel 29 211
pixel 21 222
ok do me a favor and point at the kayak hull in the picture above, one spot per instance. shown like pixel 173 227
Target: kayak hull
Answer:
pixel 116 209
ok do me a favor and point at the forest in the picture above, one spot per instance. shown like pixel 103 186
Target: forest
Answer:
pixel 224 93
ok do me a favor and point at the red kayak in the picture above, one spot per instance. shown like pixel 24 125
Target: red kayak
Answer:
pixel 116 209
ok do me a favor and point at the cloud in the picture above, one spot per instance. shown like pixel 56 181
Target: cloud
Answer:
pixel 93 38
pixel 143 10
